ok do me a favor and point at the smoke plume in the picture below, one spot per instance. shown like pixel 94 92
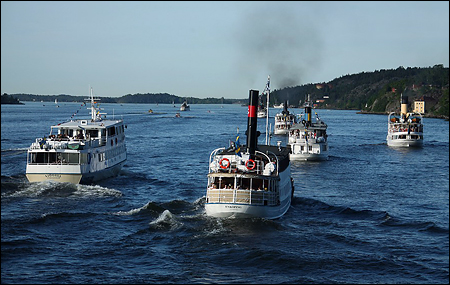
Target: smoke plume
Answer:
pixel 280 41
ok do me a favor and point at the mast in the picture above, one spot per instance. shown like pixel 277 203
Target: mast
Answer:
pixel 267 89
pixel 95 112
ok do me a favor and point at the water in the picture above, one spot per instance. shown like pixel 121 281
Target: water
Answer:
pixel 370 214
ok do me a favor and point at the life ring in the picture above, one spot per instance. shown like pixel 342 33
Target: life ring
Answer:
pixel 224 166
pixel 253 164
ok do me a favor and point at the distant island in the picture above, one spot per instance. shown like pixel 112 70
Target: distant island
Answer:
pixel 375 92
pixel 8 99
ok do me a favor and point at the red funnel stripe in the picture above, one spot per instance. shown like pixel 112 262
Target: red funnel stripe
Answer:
pixel 251 111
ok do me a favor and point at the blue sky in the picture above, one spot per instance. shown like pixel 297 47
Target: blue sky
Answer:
pixel 210 49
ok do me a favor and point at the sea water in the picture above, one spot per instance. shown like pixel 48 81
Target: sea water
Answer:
pixel 370 214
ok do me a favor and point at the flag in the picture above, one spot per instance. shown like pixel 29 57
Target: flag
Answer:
pixel 42 142
pixel 238 147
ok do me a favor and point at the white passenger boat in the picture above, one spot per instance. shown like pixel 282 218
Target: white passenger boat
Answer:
pixel 405 129
pixel 185 106
pixel 79 151
pixel 284 121
pixel 308 139
pixel 250 180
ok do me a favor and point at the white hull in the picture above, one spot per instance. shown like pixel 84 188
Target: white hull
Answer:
pixel 235 210
pixel 404 142
pixel 308 156
pixel 71 174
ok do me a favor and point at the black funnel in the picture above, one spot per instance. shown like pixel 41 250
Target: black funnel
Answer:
pixel 285 108
pixel 308 115
pixel 252 134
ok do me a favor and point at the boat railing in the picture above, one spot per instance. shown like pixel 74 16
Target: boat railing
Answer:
pixel 257 165
pixel 242 196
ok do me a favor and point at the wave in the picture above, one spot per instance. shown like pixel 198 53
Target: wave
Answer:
pixel 421 226
pixel 150 207
pixel 166 221
pixel 55 189
pixel 382 218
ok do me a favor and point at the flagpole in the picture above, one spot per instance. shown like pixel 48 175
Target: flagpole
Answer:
pixel 267 108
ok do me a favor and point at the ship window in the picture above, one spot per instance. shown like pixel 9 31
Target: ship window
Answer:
pixel 72 158
pixel 39 157
pixel 83 158
pixel 111 131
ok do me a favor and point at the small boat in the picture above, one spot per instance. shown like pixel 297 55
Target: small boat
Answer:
pixel 308 139
pixel 253 183
pixel 185 106
pixel 262 111
pixel 284 121
pixel 79 151
pixel 405 129
pixel 279 106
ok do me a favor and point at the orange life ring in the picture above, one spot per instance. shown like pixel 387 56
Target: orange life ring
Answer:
pixel 253 164
pixel 224 166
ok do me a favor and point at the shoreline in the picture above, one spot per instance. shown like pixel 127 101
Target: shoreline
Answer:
pixel 423 115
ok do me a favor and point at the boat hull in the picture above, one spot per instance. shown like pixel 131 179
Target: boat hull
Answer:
pixel 234 210
pixel 404 142
pixel 308 156
pixel 58 174
pixel 40 177
pixel 228 206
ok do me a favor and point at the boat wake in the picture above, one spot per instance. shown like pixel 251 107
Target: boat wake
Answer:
pixel 16 151
pixel 52 189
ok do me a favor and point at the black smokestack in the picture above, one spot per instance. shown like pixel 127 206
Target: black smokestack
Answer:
pixel 308 115
pixel 404 99
pixel 252 134
pixel 285 108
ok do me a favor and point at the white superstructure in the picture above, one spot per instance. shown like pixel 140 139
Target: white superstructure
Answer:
pixel 79 151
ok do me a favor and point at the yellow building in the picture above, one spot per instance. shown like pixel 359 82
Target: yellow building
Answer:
pixel 419 107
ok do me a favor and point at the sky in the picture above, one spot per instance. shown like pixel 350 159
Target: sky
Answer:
pixel 210 48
